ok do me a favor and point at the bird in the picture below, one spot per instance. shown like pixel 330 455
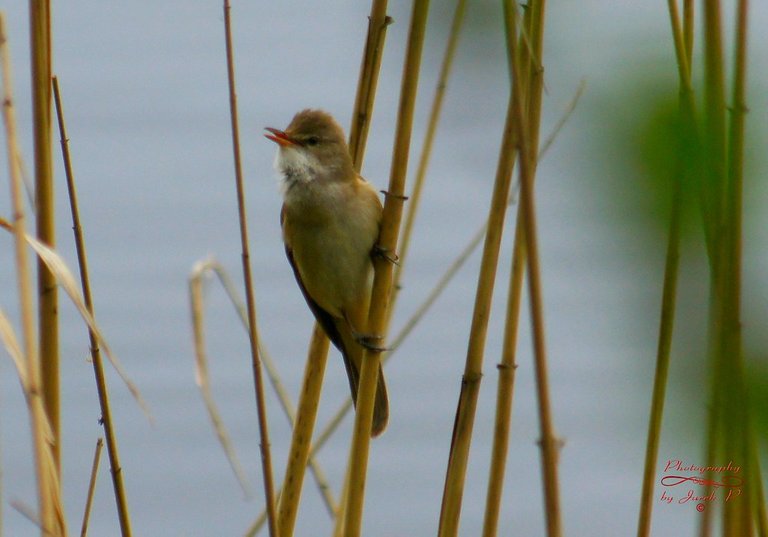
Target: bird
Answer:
pixel 330 222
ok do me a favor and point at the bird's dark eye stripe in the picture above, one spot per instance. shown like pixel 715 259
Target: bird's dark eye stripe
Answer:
pixel 312 140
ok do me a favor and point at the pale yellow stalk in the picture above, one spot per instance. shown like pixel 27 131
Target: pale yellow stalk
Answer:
pixel 382 284
pixel 318 349
pixel 51 512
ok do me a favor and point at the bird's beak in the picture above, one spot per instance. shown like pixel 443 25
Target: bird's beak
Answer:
pixel 279 137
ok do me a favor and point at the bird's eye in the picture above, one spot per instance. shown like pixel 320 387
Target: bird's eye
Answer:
pixel 313 140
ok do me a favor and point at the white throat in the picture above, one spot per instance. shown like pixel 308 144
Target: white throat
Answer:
pixel 296 167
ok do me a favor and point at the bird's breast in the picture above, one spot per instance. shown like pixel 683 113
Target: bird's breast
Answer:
pixel 331 231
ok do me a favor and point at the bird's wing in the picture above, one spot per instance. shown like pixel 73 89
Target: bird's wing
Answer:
pixel 325 319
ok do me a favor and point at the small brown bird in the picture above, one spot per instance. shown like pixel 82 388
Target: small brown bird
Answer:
pixel 330 220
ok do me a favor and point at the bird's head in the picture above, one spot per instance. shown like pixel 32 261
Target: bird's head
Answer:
pixel 312 147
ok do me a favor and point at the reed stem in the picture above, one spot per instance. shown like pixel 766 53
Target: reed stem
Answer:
pixel 505 386
pixel 667 318
pixel 752 511
pixel 48 321
pixel 453 490
pixel 91 487
pixel 98 365
pixel 368 81
pixel 470 383
pixel 301 440
pixel 426 148
pixel 203 268
pixel 527 140
pixel 299 452
pixel 682 39
pixel 382 283
pixel 266 458
pixel 51 512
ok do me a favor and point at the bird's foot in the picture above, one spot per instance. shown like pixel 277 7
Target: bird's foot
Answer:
pixel 367 341
pixel 370 342
pixel 385 253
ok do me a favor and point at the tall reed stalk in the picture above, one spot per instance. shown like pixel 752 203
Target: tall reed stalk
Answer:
pixel 301 439
pixel 98 365
pixel 721 433
pixel 521 134
pixel 309 399
pixel 253 338
pixel 382 283
pixel 426 147
pixel 505 386
pixel 48 319
pixel 683 42
pixel 527 125
pixel 51 512
pixel 729 431
pixel 470 383
pixel 367 82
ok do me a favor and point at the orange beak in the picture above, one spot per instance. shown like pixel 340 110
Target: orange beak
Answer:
pixel 279 137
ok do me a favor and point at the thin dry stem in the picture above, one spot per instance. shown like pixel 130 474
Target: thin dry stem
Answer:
pixel 505 386
pixel 338 527
pixel 688 29
pixel 368 81
pixel 27 512
pixel 382 284
pixel 266 458
pixel 669 293
pixel 527 125
pixel 465 412
pixel 64 277
pixel 666 328
pixel 751 509
pixel 11 344
pixel 91 487
pixel 197 279
pixel 202 377
pixel 98 366
pixel 426 148
pixel 680 39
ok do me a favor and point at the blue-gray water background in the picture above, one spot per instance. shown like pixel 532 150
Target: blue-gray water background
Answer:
pixel 144 87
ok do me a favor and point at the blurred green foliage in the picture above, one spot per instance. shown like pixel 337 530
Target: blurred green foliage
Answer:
pixel 646 146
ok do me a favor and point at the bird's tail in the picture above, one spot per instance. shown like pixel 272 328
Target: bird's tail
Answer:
pixel 381 404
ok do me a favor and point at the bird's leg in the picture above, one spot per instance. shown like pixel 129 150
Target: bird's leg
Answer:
pixel 378 250
pixel 367 341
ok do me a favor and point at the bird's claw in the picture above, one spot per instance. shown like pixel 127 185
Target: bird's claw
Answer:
pixel 385 253
pixel 369 341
